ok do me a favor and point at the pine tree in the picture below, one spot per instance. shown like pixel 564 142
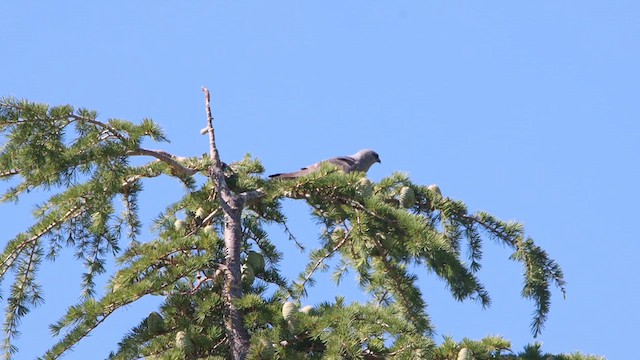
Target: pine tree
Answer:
pixel 213 262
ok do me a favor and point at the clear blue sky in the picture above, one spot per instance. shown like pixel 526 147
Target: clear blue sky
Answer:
pixel 528 110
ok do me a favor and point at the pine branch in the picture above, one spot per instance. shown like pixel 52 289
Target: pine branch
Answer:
pixel 539 269
pixel 320 261
pixel 90 314
pixel 17 307
pixel 290 235
pixel 10 258
pixel 408 295
pixel 110 129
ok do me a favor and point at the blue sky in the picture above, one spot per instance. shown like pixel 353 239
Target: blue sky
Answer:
pixel 528 110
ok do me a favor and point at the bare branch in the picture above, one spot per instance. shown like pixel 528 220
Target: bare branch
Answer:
pixel 216 172
pixel 169 159
pixel 9 172
pixel 207 220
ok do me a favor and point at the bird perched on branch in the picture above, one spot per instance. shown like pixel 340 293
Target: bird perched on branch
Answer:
pixel 360 161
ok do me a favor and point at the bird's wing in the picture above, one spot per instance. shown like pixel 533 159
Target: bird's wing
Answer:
pixel 346 163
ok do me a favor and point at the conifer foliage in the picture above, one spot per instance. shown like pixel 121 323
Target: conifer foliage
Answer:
pixel 212 261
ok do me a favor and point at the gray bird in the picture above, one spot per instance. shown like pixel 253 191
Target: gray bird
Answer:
pixel 360 161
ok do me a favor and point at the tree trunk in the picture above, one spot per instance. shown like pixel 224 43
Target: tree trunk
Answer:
pixel 233 280
pixel 232 205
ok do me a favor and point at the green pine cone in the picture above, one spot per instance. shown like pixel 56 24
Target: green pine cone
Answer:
pixel 183 341
pixel 218 276
pixel 306 309
pixel 435 188
pixel 364 187
pixel 155 323
pixel 465 354
pixel 385 241
pixel 256 261
pixel 248 275
pixel 178 225
pixel 407 197
pixel 266 348
pixel 288 308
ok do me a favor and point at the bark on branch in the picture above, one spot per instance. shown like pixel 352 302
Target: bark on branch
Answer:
pixel 169 159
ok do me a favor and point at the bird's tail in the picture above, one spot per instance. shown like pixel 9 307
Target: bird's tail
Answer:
pixel 292 175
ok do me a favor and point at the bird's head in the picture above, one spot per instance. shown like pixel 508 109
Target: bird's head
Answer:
pixel 365 158
pixel 368 156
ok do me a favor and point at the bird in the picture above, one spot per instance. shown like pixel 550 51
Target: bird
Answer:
pixel 360 161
